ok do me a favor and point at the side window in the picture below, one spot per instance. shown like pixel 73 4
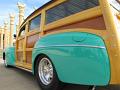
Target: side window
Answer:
pixel 35 23
pixel 68 8
pixel 22 31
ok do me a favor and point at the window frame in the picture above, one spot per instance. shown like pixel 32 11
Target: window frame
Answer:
pixel 58 3
pixel 33 30
pixel 24 25
pixel 93 12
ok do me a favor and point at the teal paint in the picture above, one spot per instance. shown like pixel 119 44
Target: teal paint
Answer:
pixel 10 56
pixel 84 65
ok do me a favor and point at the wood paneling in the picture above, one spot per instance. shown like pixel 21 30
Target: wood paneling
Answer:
pixel 20 44
pixel 31 40
pixel 93 23
pixel 20 56
pixel 29 57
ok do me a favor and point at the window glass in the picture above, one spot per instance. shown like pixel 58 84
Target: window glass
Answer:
pixel 68 8
pixel 115 4
pixel 35 23
pixel 22 31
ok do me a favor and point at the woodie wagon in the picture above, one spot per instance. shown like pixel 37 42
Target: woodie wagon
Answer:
pixel 70 41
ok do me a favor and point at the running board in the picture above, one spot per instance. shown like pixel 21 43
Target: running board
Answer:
pixel 24 69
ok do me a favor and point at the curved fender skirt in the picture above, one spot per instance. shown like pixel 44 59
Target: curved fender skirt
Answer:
pixel 78 64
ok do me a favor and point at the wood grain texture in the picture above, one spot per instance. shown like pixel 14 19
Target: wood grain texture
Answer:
pixel 29 57
pixel 31 40
pixel 93 23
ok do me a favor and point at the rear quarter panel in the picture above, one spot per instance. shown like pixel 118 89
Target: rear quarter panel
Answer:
pixel 79 58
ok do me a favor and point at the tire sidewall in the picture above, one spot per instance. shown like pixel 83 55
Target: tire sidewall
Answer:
pixel 55 84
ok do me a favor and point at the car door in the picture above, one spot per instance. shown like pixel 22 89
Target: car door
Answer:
pixel 20 46
pixel 32 36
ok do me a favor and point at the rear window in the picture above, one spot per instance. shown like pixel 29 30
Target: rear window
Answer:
pixel 68 8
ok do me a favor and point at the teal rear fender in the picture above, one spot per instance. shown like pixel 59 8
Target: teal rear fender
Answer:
pixel 10 56
pixel 79 58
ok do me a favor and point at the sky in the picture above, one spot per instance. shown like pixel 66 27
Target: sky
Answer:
pixel 10 6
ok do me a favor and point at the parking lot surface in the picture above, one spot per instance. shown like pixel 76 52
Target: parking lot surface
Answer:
pixel 16 79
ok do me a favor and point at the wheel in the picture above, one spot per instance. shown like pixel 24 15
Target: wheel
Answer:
pixel 46 74
pixel 3 55
pixel 5 63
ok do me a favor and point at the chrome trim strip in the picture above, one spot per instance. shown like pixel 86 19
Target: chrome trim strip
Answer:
pixel 24 69
pixel 73 45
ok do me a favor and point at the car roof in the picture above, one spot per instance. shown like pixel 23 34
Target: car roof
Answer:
pixel 40 8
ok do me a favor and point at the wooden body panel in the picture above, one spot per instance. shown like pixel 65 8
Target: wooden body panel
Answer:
pixel 31 40
pixel 20 50
pixel 21 44
pixel 20 56
pixel 99 20
pixel 29 57
pixel 92 23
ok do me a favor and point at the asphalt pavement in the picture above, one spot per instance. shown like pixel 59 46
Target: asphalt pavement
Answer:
pixel 16 79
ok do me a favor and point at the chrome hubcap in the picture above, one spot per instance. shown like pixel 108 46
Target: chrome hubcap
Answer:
pixel 45 71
